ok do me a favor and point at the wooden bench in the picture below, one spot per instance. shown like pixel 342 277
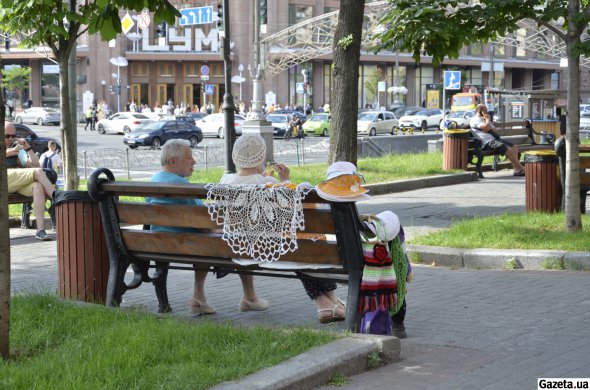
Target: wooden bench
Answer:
pixel 27 202
pixel 131 244
pixel 584 171
pixel 521 134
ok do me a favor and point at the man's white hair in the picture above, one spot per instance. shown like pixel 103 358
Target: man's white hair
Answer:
pixel 173 148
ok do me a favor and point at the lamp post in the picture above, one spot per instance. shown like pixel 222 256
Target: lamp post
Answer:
pixel 103 84
pixel 240 69
pixel 119 62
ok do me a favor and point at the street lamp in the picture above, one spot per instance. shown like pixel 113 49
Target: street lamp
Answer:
pixel 103 83
pixel 119 62
pixel 241 69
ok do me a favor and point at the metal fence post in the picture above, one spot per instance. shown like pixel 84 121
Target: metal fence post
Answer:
pixel 297 149
pixel 206 157
pixel 302 151
pixel 127 164
pixel 85 165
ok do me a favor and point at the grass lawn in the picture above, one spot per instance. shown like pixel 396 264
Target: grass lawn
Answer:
pixel 532 230
pixel 57 344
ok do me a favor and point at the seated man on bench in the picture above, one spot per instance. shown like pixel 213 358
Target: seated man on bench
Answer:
pixel 26 177
pixel 483 129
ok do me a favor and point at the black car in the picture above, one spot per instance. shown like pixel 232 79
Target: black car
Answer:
pixel 157 133
pixel 39 144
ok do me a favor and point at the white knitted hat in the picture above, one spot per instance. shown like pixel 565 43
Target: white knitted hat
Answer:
pixel 249 151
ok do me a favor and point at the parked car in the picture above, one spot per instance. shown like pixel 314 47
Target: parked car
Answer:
pixel 123 122
pixel 280 123
pixel 157 133
pixel 401 111
pixel 39 144
pixel 39 116
pixel 460 118
pixel 584 116
pixel 422 120
pixel 213 125
pixel 318 124
pixel 376 122
pixel 197 115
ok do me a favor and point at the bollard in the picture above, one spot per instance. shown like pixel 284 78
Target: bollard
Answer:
pixel 127 164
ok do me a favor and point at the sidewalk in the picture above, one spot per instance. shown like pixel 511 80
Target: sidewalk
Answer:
pixel 485 329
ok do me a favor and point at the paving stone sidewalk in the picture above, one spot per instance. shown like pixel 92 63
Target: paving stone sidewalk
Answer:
pixel 467 329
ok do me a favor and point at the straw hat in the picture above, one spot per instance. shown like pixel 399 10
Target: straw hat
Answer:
pixel 343 184
pixel 249 151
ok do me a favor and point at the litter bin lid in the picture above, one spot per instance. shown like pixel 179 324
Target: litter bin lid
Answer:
pixel 71 196
pixel 456 133
pixel 540 156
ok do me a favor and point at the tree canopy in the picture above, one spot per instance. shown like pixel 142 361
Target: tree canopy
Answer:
pixel 440 28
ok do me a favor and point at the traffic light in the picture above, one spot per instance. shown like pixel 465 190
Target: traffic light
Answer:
pixel 220 16
pixel 263 11
pixel 161 29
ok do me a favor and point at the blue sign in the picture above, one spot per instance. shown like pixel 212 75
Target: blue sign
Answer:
pixel 205 70
pixel 197 15
pixel 300 87
pixel 209 89
pixel 452 79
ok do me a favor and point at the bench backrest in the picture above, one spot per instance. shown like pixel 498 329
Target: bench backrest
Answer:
pixel 124 220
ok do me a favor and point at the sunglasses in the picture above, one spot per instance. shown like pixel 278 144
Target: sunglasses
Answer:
pixel 10 136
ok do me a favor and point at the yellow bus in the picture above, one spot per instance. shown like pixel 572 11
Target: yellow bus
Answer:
pixel 465 101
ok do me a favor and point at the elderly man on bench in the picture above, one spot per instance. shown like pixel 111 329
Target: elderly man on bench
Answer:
pixel 26 177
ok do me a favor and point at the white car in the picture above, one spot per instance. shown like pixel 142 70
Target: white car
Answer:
pixel 460 118
pixel 584 116
pixel 39 116
pixel 423 119
pixel 376 122
pixel 123 122
pixel 213 125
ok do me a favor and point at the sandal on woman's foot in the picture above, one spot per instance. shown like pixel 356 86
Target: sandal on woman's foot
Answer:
pixel 519 173
pixel 201 308
pixel 332 315
pixel 258 305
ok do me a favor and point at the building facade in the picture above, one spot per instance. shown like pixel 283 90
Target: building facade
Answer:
pixel 182 63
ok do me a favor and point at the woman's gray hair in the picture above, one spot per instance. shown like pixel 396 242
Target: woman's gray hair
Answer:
pixel 173 148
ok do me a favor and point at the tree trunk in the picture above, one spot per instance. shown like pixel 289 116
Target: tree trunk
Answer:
pixel 68 129
pixel 345 77
pixel 573 214
pixel 4 249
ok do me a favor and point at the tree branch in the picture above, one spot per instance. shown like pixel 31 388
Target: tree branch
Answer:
pixel 557 31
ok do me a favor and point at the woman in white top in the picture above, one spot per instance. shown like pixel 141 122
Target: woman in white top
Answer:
pixel 249 156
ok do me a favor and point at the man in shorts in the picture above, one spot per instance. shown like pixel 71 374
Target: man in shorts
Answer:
pixel 482 127
pixel 25 177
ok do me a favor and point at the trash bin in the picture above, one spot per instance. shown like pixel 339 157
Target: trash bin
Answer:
pixel 455 145
pixel 82 255
pixel 542 185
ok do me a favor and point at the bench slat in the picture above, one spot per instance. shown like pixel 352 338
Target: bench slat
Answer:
pixel 211 245
pixel 316 220
pixel 164 190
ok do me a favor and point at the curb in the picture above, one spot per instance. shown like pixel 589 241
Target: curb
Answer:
pixel 347 356
pixel 501 258
pixel 422 182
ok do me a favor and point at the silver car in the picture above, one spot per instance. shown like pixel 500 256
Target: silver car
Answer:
pixel 376 122
pixel 39 115
pixel 213 125
pixel 123 122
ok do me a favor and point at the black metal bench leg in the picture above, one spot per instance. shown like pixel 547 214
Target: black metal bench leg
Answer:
pixel 116 285
pixel 353 318
pixel 160 279
pixel 26 216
